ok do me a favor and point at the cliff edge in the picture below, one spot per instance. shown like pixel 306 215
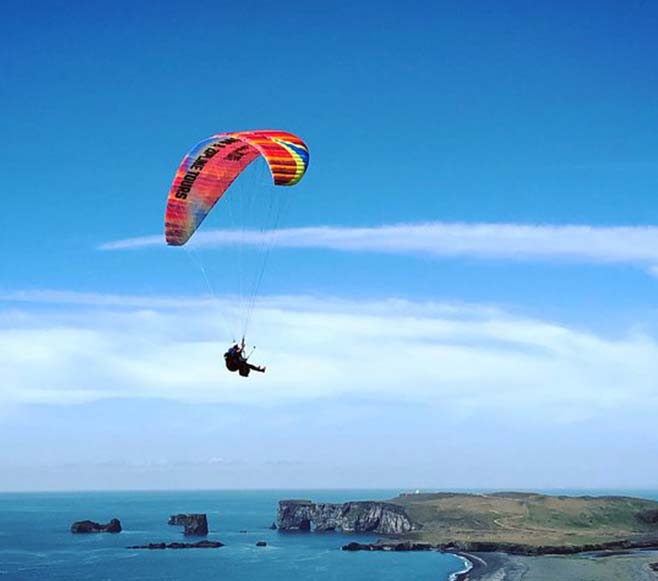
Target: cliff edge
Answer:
pixel 382 518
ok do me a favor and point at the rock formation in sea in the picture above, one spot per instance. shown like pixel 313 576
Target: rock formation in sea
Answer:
pixel 197 545
pixel 294 515
pixel 261 544
pixel 401 546
pixel 195 524
pixel 89 526
pixel 354 517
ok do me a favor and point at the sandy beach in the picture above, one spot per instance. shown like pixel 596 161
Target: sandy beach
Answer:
pixel 616 567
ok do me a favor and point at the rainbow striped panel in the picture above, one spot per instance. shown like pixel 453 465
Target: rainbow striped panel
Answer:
pixel 212 165
pixel 285 153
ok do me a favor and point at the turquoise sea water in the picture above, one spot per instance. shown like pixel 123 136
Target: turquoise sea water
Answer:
pixel 35 542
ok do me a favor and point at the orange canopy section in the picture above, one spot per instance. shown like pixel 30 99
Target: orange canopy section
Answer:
pixel 212 165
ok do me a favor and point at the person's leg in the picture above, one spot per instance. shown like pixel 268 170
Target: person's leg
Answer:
pixel 259 368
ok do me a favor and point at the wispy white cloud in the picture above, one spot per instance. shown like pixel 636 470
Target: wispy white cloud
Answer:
pixel 462 357
pixel 630 244
pixel 103 299
pixel 137 242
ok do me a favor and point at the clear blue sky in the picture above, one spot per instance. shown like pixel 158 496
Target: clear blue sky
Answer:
pixel 415 112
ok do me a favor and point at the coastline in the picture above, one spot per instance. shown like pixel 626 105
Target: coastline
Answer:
pixel 468 561
pixel 610 565
pixel 485 567
pixel 630 566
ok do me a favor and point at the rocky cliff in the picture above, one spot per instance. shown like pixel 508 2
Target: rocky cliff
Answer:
pixel 195 524
pixel 382 518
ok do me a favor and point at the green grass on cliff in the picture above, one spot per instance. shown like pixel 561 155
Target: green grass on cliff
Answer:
pixel 529 519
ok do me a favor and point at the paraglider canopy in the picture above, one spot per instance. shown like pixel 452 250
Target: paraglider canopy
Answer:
pixel 212 165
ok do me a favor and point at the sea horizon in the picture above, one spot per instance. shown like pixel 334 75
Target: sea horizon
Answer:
pixel 569 491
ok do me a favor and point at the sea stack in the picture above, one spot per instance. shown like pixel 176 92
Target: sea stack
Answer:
pixel 195 524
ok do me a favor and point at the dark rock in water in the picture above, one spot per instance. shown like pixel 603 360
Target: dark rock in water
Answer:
pixel 351 517
pixel 243 531
pixel 353 546
pixel 151 546
pixel 197 545
pixel 380 546
pixel 261 544
pixel 207 545
pixel 273 526
pixel 195 524
pixel 89 526
pixel 654 567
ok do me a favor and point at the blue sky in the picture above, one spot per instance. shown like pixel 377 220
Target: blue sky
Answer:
pixel 523 120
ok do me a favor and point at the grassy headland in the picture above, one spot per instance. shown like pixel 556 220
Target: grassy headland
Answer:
pixel 530 521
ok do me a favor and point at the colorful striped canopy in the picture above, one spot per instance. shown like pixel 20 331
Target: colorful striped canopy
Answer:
pixel 212 165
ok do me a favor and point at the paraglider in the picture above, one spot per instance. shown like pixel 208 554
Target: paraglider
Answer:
pixel 236 360
pixel 206 174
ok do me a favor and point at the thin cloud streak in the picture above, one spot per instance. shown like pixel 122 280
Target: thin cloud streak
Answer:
pixel 227 302
pixel 579 243
pixel 47 296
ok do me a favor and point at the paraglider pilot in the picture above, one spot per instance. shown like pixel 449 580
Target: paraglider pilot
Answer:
pixel 237 361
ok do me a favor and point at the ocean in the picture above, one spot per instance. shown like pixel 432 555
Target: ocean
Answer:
pixel 35 541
